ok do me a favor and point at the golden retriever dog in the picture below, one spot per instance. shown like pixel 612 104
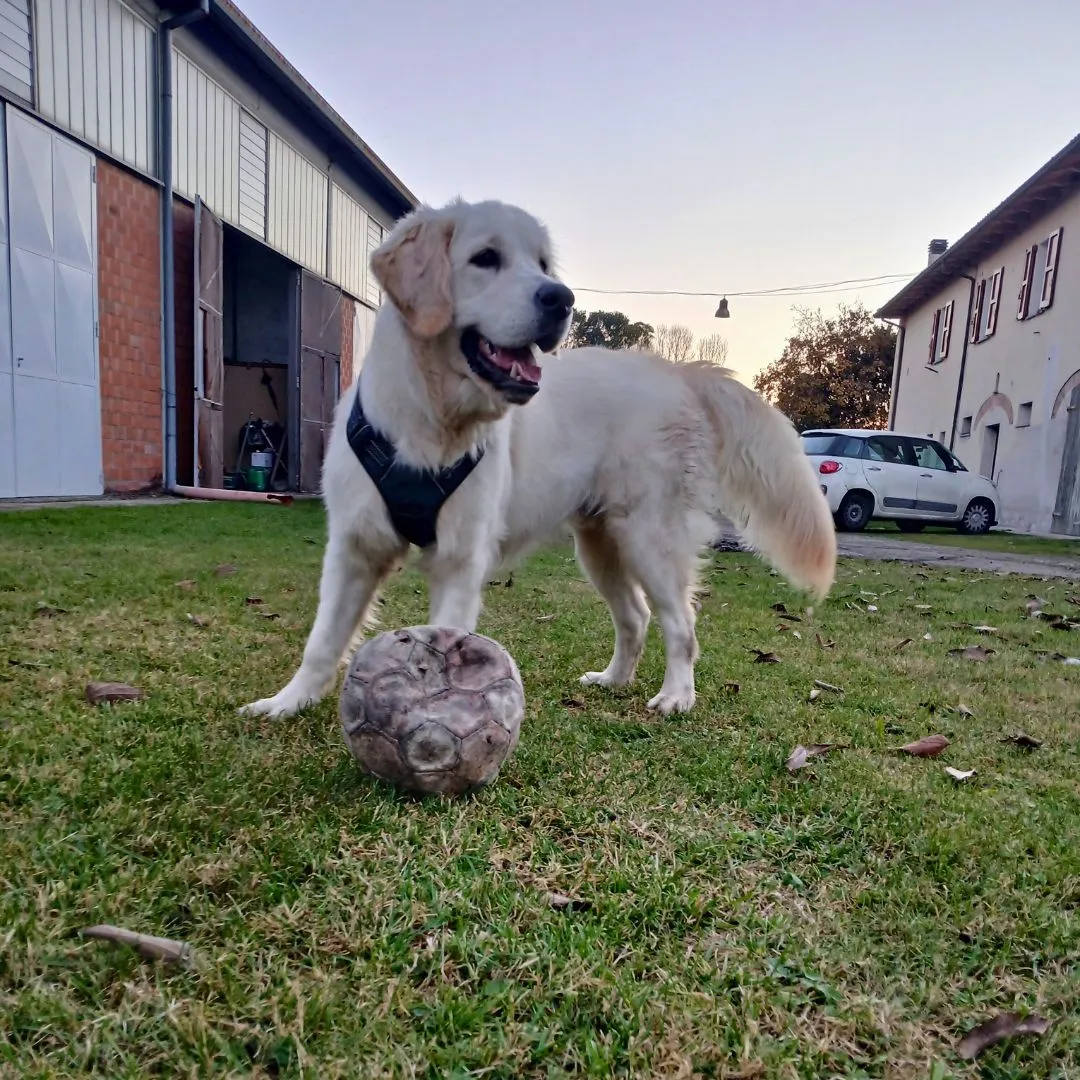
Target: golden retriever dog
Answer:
pixel 469 434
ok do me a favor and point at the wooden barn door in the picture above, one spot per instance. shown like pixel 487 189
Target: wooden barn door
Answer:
pixel 320 364
pixel 209 446
pixel 1067 505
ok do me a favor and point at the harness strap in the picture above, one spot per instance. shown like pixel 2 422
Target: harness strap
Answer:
pixel 413 497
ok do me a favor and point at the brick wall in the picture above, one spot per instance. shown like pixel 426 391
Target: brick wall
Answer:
pixel 129 315
pixel 347 303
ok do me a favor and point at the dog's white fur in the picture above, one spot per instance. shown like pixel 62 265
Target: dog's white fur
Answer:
pixel 635 454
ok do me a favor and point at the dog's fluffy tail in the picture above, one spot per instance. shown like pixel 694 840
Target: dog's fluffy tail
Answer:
pixel 765 481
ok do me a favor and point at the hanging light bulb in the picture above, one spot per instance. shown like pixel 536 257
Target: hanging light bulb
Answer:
pixel 722 311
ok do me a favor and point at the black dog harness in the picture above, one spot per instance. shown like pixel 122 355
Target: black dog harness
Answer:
pixel 413 496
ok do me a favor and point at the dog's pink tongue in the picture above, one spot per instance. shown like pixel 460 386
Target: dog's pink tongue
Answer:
pixel 518 362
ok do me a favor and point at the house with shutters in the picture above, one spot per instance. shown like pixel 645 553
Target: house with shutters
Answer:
pixel 185 226
pixel 988 349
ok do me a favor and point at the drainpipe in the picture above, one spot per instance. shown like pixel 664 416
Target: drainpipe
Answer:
pixel 168 263
pixel 963 360
pixel 898 359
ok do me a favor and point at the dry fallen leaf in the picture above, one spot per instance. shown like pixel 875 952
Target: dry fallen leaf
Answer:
pixel 562 902
pixel 732 687
pixel 1023 740
pixel 972 652
pixel 871 607
pixel 252 600
pixel 268 615
pixel 97 693
pixel 828 686
pixel 963 710
pixel 572 703
pixel 1002 1026
pixel 224 570
pixel 545 618
pixel 187 586
pixel 958 774
pixel 154 948
pixel 198 620
pixel 801 756
pixel 902 644
pixel 985 629
pixel 785 614
pixel 796 634
pixel 825 643
pixel 762 657
pixel 928 746
pixel 814 695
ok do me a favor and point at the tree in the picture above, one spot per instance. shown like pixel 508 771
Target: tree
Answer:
pixel 610 329
pixel 834 372
pixel 675 343
pixel 713 350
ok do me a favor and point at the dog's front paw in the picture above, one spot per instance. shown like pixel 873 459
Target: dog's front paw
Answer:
pixel 667 703
pixel 596 678
pixel 278 707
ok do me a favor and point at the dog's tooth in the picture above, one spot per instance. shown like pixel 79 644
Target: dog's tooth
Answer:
pixel 515 370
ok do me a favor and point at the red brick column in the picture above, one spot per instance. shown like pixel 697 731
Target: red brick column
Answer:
pixel 129 315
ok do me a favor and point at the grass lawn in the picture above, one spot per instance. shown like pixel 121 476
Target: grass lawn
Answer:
pixel 850 920
pixel 994 540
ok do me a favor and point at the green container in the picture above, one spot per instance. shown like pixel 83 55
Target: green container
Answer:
pixel 257 478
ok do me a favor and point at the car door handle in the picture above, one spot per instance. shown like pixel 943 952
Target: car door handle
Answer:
pixel 873 468
pixel 926 475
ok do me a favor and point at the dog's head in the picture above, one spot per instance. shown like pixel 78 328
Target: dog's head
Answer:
pixel 479 275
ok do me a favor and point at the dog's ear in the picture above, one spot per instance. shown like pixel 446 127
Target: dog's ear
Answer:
pixel 413 267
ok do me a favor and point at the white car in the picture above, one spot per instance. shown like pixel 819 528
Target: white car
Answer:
pixel 909 479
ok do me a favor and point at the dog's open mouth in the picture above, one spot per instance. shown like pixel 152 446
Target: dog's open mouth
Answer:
pixel 511 370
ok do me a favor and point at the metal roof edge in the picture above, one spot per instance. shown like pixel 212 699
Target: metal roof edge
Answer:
pixel 953 262
pixel 277 67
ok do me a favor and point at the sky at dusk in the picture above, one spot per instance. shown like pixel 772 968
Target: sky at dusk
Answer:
pixel 707 147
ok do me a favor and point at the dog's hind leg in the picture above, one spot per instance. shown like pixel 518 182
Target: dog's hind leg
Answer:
pixel 665 564
pixel 602 561
pixel 348 586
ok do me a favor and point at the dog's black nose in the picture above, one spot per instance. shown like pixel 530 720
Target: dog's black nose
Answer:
pixel 554 300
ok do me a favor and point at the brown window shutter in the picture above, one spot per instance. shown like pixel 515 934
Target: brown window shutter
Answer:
pixel 1053 256
pixel 995 301
pixel 1025 283
pixel 946 328
pixel 976 313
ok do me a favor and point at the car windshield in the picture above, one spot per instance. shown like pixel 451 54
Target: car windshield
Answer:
pixel 819 443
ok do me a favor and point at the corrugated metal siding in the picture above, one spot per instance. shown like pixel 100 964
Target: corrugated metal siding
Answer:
pixel 348 243
pixel 16 58
pixel 297 207
pixel 95 75
pixel 206 140
pixel 252 175
pixel 375 234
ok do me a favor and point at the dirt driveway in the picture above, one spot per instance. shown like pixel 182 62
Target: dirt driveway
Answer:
pixel 895 549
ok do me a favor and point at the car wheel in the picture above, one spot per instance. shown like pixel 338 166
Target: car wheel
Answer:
pixel 854 513
pixel 911 526
pixel 977 518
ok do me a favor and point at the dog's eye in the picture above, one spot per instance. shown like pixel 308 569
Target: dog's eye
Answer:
pixel 488 259
pixel 543 266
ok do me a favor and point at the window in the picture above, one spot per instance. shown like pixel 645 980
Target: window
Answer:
pixel 965 428
pixel 820 443
pixel 927 456
pixel 985 309
pixel 886 448
pixel 941 333
pixel 1040 276
pixel 1023 415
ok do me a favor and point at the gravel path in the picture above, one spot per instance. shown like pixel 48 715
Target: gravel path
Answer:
pixel 889 549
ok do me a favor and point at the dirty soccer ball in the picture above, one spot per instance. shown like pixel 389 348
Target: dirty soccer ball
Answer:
pixel 432 709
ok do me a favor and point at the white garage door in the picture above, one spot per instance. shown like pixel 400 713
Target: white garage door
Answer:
pixel 55 397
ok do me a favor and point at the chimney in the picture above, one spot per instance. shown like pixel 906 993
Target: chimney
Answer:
pixel 935 250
